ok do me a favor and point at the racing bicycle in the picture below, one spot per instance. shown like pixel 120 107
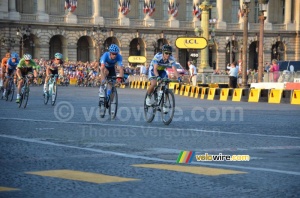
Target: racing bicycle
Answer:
pixel 24 95
pixel 52 90
pixel 110 100
pixel 10 89
pixel 164 101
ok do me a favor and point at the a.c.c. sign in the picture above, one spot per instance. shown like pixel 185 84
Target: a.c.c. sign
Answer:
pixel 137 59
pixel 191 43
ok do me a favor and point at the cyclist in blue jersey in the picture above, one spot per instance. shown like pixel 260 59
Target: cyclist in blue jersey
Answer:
pixel 11 66
pixel 108 61
pixel 157 69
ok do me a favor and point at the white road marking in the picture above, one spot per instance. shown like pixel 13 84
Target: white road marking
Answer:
pixel 150 127
pixel 149 158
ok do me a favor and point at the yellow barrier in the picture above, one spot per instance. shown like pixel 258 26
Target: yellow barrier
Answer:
pixel 144 84
pixel 203 92
pixel 295 97
pixel 139 84
pixel 122 86
pixel 176 88
pixel 224 94
pixel 197 92
pixel 148 84
pixel 211 93
pixel 172 85
pixel 132 83
pixel 254 95
pixel 187 90
pixel 237 95
pixel 213 85
pixel 182 88
pixel 73 81
pixel 193 89
pixel 275 96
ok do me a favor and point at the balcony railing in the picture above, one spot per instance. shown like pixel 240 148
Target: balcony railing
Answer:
pixel 188 25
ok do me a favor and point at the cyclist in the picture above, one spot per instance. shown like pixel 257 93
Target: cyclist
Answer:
pixel 11 65
pixel 108 62
pixel 26 66
pixel 157 69
pixel 3 68
pixel 55 64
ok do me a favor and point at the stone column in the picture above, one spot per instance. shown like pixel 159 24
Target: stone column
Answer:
pixel 148 21
pixel 196 20
pixel 98 19
pixel 173 22
pixel 42 16
pixel 12 12
pixel 268 25
pixel 71 18
pixel 205 7
pixel 287 15
pixel 220 24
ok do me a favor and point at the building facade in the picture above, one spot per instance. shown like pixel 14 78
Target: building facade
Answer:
pixel 44 27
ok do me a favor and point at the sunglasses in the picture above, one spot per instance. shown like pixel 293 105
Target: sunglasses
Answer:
pixel 57 59
pixel 168 53
pixel 115 54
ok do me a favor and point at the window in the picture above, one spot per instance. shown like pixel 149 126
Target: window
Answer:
pixel 234 11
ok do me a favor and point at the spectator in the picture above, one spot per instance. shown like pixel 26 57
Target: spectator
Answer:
pixel 274 69
pixel 193 73
pixel 233 74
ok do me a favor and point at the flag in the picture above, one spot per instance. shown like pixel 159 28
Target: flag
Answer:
pixel 149 7
pixel 197 11
pixel 124 7
pixel 173 9
pixel 240 13
pixel 70 5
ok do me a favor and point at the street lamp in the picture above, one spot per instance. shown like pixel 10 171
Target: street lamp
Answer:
pixel 263 6
pixel 198 31
pixel 245 11
pixel 98 37
pixel 230 40
pixel 23 32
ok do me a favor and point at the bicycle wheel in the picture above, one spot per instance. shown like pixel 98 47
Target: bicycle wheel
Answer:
pixel 149 111
pixel 46 97
pixel 167 107
pixel 25 96
pixel 12 90
pixel 113 103
pixel 54 93
pixel 102 106
pixel 21 100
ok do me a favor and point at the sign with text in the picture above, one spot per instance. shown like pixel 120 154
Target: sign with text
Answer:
pixel 137 59
pixel 191 42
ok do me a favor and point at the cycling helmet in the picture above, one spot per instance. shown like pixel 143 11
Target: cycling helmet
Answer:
pixel 58 55
pixel 27 57
pixel 14 55
pixel 113 48
pixel 166 48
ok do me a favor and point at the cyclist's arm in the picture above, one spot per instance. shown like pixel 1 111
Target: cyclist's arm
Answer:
pixel 155 70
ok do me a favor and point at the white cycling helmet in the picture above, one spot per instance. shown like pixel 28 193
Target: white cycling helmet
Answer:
pixel 27 57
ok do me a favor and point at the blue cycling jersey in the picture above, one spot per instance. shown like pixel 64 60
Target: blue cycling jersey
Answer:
pixel 105 59
pixel 11 64
pixel 158 59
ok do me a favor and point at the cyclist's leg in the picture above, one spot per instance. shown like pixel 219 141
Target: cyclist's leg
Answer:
pixel 111 73
pixel 48 73
pixel 104 73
